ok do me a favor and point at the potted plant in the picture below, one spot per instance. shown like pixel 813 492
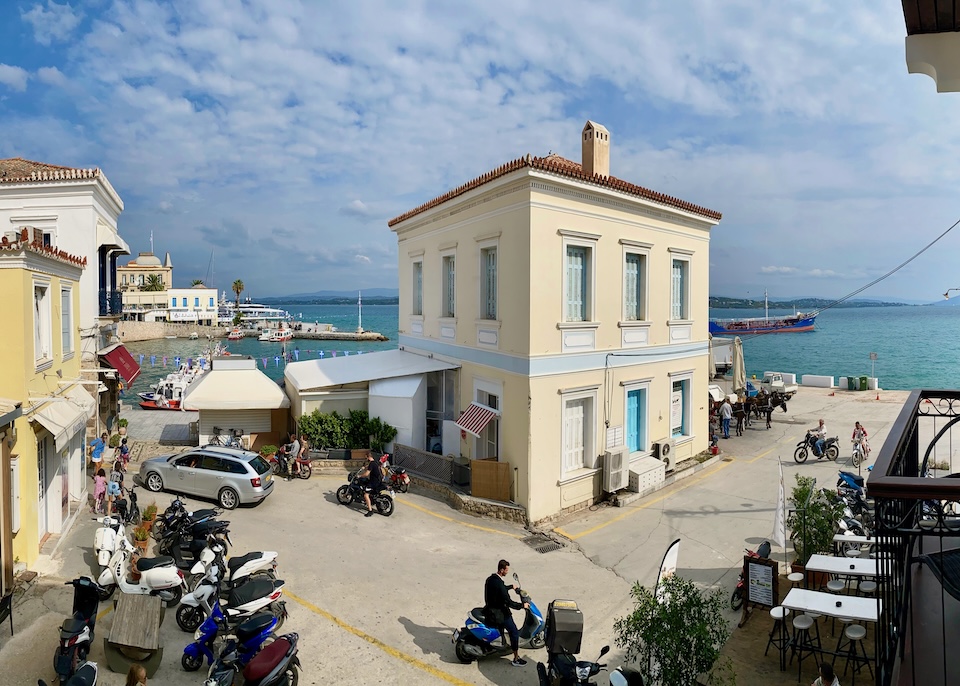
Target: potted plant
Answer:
pixel 812 520
pixel 149 516
pixel 114 441
pixel 122 426
pixel 267 451
pixel 141 537
pixel 134 572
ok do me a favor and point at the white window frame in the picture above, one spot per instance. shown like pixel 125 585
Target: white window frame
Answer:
pixel 628 387
pixel 571 468
pixel 481 389
pixel 14 493
pixel 641 250
pixel 417 277
pixel 42 322
pixel 66 322
pixel 448 288
pixel 588 241
pixel 686 433
pixel 488 248
pixel 685 259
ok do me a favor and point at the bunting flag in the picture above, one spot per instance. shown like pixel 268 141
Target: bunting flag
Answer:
pixel 277 360
pixel 176 361
pixel 189 362
pixel 153 360
pixel 321 354
pixel 296 354
pixel 164 360
pixel 141 359
pixel 203 363
pixel 346 352
pixel 264 363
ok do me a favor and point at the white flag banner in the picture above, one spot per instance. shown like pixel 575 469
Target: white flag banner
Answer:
pixel 668 567
pixel 779 517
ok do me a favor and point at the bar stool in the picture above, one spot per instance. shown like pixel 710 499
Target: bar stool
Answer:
pixel 816 627
pixel 867 588
pixel 844 621
pixel 802 642
pixel 794 578
pixel 778 636
pixel 852 552
pixel 856 653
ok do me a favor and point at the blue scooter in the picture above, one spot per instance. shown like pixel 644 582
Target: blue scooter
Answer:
pixel 250 637
pixel 477 640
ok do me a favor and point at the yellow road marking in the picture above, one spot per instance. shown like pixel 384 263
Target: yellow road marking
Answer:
pixel 455 521
pixel 633 510
pixel 104 613
pixel 389 650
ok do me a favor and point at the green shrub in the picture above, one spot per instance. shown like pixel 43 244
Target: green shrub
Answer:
pixel 813 521
pixel 122 422
pixel 114 441
pixel 268 450
pixel 333 430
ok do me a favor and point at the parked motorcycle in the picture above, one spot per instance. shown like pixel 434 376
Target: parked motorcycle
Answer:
pixel 105 538
pixel 235 571
pixel 76 633
pixel 831 448
pixel 177 515
pixel 242 602
pixel 353 492
pixel 763 552
pixel 86 675
pixel 250 637
pixel 158 576
pixel 477 640
pixel 281 466
pixel 129 513
pixel 275 665
pixel 186 543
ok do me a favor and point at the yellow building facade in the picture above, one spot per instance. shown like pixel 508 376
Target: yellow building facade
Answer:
pixel 45 480
pixel 576 305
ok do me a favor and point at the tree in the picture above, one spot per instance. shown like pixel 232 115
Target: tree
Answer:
pixel 196 282
pixel 154 283
pixel 813 519
pixel 678 637
pixel 238 289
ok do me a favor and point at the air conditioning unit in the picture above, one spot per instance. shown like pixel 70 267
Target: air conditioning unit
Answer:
pixel 33 234
pixel 663 450
pixel 616 469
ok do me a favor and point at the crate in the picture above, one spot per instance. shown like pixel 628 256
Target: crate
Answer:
pixel 564 627
pixel 646 474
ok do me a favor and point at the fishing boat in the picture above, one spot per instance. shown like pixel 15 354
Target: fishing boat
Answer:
pixel 235 334
pixel 160 403
pixel 194 336
pixel 276 335
pixel 791 323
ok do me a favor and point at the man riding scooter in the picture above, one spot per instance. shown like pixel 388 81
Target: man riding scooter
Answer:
pixel 497 606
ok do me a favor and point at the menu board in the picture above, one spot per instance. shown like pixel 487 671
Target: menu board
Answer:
pixel 761 581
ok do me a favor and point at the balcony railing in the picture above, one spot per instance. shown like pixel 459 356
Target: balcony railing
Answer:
pixel 111 303
pixel 917 501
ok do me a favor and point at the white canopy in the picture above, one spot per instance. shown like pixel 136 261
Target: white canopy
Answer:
pixel 336 371
pixel 67 416
pixel 234 389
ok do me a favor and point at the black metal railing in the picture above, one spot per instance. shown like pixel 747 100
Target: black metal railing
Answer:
pixel 917 514
pixel 111 303
pixel 420 462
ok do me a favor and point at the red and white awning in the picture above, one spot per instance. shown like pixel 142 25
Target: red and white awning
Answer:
pixel 475 418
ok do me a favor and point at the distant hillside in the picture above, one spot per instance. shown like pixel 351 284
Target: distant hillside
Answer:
pixel 801 304
pixel 367 293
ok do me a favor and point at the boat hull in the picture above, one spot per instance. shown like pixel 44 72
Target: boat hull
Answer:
pixel 749 326
pixel 173 405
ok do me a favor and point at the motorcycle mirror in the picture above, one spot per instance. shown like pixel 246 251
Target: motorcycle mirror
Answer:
pixel 516 578
pixel 604 650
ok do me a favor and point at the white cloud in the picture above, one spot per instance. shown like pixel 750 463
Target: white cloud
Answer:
pixel 51 76
pixel 55 22
pixel 13 77
pixel 778 270
pixel 362 259
pixel 356 208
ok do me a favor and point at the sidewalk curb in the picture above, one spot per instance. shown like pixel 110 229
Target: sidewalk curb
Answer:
pixel 624 499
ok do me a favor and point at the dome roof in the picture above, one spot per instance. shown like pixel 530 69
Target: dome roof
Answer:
pixel 148 259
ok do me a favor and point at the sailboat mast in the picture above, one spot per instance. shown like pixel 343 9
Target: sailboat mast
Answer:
pixel 359 311
pixel 766 305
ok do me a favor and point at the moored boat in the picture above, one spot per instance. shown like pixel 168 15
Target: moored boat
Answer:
pixel 160 403
pixel 276 335
pixel 791 323
pixel 235 334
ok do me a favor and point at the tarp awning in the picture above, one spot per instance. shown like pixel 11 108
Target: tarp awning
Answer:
pixel 348 369
pixel 475 418
pixel 63 419
pixel 118 357
pixel 81 396
pixel 234 389
pixel 9 410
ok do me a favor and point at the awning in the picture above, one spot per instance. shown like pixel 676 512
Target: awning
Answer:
pixel 81 397
pixel 475 418
pixel 118 357
pixel 234 389
pixel 63 419
pixel 9 411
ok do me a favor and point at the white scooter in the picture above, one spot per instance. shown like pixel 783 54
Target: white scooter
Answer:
pixel 238 570
pixel 106 537
pixel 158 576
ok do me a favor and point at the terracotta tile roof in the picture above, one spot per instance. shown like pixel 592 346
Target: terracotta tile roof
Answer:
pixel 19 170
pixel 23 242
pixel 561 166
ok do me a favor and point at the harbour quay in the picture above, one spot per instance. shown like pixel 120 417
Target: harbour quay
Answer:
pixel 340 336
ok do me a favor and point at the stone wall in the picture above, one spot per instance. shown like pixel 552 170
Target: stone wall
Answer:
pixel 148 331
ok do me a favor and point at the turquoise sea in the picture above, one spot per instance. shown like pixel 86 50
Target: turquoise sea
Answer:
pixel 916 346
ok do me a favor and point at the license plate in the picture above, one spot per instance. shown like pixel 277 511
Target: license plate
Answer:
pixel 268 477
pixel 456 636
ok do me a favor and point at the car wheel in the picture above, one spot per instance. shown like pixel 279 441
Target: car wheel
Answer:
pixel 228 499
pixel 154 483
pixel 344 496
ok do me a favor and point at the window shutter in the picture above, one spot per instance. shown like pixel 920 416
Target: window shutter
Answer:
pixel 576 283
pixel 573 438
pixel 65 317
pixel 677 291
pixel 631 288
pixel 490 284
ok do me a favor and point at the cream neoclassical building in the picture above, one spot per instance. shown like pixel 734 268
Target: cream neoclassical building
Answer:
pixel 576 306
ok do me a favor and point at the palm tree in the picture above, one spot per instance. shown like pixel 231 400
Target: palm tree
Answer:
pixel 197 282
pixel 238 289
pixel 154 283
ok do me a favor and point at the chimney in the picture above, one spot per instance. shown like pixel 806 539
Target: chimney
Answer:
pixel 596 149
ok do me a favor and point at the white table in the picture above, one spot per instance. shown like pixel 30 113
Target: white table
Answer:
pixel 851 607
pixel 846 538
pixel 844 566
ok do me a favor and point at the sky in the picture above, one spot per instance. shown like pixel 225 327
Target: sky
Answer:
pixel 280 136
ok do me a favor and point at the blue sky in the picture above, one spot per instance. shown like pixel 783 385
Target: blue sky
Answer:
pixel 284 134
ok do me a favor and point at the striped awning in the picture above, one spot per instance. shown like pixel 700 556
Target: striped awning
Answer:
pixel 475 418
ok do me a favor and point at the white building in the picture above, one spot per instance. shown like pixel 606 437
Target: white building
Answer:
pixel 196 305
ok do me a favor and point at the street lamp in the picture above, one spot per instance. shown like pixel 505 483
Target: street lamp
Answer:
pixel 946 296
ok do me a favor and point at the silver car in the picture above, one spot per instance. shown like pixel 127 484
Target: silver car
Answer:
pixel 230 476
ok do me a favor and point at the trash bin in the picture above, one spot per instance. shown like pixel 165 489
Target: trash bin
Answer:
pixel 863 383
pixel 461 471
pixel 851 383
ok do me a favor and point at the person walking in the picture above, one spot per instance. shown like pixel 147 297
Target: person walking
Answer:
pixel 97 446
pixel 114 484
pixel 497 605
pixel 726 414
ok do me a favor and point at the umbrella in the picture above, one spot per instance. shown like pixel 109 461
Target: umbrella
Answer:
pixel 739 369
pixel 712 363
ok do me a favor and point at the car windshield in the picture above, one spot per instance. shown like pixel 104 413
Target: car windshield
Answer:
pixel 260 465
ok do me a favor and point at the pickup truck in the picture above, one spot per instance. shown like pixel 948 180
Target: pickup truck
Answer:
pixel 773 383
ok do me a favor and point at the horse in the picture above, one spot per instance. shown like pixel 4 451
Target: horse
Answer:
pixel 741 414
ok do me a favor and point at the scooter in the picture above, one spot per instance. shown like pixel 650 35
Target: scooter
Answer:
pixel 242 602
pixel 158 576
pixel 763 552
pixel 186 545
pixel 250 636
pixel 831 448
pixel 105 538
pixel 275 665
pixel 238 569
pixel 280 464
pixel 477 640
pixel 353 492
pixel 565 669
pixel 76 633
pixel 86 675
pixel 859 453
pixel 397 476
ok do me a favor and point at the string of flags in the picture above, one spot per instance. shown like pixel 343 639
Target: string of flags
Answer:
pixel 292 356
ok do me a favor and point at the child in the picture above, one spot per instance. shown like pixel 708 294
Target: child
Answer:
pixel 827 677
pixel 114 484
pixel 137 676
pixel 99 490
pixel 124 452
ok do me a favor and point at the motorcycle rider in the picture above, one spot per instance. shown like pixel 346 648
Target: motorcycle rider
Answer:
pixel 290 452
pixel 374 479
pixel 860 434
pixel 821 433
pixel 497 605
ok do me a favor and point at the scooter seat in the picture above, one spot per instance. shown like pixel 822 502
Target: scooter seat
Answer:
pixel 235 563
pixel 146 563
pixel 255 588
pixel 477 614
pixel 72 626
pixel 266 660
pixel 254 626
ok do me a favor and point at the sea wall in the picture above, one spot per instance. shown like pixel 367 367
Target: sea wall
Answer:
pixel 130 332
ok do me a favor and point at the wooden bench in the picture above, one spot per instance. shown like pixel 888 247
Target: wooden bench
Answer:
pixel 135 634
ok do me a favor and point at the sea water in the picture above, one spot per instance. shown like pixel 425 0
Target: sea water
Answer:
pixel 916 346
